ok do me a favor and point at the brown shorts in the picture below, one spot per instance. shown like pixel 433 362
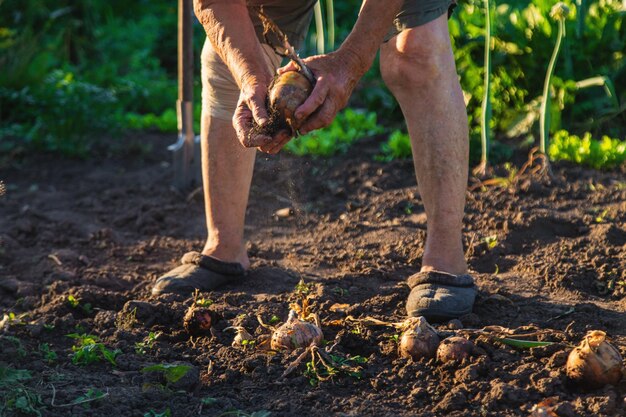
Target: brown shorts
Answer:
pixel 220 92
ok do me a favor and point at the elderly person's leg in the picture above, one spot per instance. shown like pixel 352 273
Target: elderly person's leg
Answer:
pixel 418 67
pixel 226 175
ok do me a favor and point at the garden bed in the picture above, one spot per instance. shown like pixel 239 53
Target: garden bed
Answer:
pixel 83 241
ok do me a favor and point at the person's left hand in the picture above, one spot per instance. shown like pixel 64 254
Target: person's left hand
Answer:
pixel 335 77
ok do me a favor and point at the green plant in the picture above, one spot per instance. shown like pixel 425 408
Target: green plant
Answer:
pixel 398 146
pixel 325 366
pixel 88 350
pixel 75 303
pixel 605 153
pixel 239 413
pixel 88 397
pixel 152 413
pixel 171 372
pixel 48 354
pixel 15 396
pixel 141 348
pixel 349 126
pixel 486 111
pixel 559 12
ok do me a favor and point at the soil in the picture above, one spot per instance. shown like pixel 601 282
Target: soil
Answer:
pixel 83 241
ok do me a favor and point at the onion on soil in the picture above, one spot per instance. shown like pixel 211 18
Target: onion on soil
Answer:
pixel 595 362
pixel 198 320
pixel 455 349
pixel 419 339
pixel 243 337
pixel 296 333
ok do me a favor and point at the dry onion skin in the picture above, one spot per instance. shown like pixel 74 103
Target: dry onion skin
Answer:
pixel 595 362
pixel 419 339
pixel 243 337
pixel 286 93
pixel 296 333
pixel 198 320
pixel 455 349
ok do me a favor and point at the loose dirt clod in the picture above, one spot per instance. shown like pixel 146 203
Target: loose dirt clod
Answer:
pixel 296 333
pixel 419 339
pixel 455 349
pixel 595 362
pixel 198 320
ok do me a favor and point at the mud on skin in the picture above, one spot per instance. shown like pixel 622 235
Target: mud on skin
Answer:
pixel 103 230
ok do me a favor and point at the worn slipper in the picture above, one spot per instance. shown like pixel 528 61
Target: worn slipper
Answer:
pixel 198 272
pixel 439 296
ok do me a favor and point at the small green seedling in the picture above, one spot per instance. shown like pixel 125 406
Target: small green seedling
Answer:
pixel 141 348
pixel 325 366
pixel 208 401
pixel 15 396
pixel 239 413
pixel 152 413
pixel 274 319
pixel 48 354
pixel 75 303
pixel 88 350
pixel 171 372
pixel 491 241
pixel 19 346
pixel 90 396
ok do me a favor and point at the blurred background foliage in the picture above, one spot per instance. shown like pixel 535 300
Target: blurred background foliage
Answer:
pixel 73 71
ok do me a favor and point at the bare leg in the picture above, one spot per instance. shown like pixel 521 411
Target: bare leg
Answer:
pixel 418 67
pixel 226 174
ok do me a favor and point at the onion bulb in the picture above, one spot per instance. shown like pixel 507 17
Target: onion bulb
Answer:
pixel 296 333
pixel 242 338
pixel 594 363
pixel 455 349
pixel 419 339
pixel 198 320
pixel 287 92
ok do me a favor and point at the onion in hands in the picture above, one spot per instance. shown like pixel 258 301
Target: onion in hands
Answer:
pixel 286 93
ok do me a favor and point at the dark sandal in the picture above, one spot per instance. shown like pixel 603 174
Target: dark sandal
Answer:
pixel 198 272
pixel 439 296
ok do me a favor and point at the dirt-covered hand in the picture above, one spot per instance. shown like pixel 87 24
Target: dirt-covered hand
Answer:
pixel 335 77
pixel 251 109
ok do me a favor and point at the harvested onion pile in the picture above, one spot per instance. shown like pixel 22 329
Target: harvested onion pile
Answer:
pixel 595 362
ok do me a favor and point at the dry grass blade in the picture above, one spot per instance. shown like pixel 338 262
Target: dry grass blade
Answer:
pixel 537 166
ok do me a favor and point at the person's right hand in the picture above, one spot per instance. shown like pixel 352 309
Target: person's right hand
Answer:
pixel 250 109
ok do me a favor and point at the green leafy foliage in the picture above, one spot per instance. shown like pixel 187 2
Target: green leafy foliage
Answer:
pixel 398 146
pixel 15 396
pixel 171 372
pixel 88 350
pixel 152 413
pixel 147 344
pixel 605 153
pixel 349 126
pixel 48 354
